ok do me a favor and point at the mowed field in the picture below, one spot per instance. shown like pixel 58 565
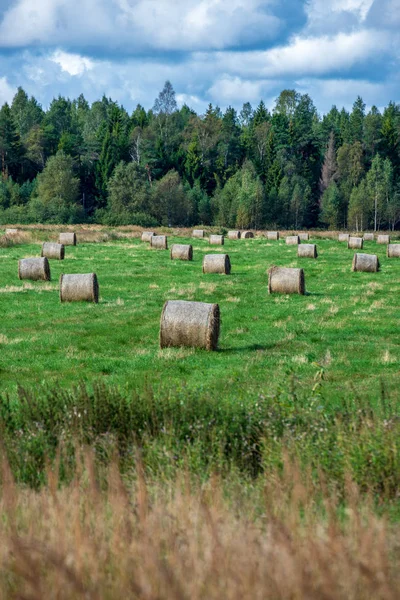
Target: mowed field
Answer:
pixel 343 334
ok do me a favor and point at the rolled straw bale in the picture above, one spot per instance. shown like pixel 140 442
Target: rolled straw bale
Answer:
pixel 217 263
pixel 198 233
pixel 307 251
pixel 79 288
pixel 383 239
pixel 67 239
pixel 273 235
pixel 369 237
pixel 393 250
pixel 234 235
pixel 343 237
pixel 147 235
pixel 246 235
pixel 159 241
pixel 181 252
pixel 11 231
pixel 34 268
pixel 369 263
pixel 216 240
pixel 355 243
pixel 193 324
pixel 52 250
pixel 304 237
pixel 292 240
pixel 284 280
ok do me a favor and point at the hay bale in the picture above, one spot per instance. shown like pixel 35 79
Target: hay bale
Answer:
pixel 234 235
pixel 393 250
pixel 307 251
pixel 292 240
pixel 272 235
pixel 383 239
pixel 193 324
pixel 217 263
pixel 182 252
pixel 368 263
pixel 159 242
pixel 246 235
pixel 147 235
pixel 343 237
pixel 216 240
pixel 79 288
pixel 284 280
pixel 355 243
pixel 198 233
pixel 11 231
pixel 53 250
pixel 304 237
pixel 67 239
pixel 369 237
pixel 34 268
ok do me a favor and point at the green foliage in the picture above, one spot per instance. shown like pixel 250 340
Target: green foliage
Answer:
pixel 58 182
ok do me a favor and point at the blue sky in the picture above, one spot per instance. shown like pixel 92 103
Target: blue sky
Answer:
pixel 222 51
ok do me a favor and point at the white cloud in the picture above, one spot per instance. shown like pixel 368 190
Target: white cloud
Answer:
pixel 7 91
pixel 234 90
pixel 73 64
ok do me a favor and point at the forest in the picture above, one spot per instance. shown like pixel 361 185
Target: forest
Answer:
pixel 289 168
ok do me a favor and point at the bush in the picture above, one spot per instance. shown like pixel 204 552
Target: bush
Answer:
pixel 106 217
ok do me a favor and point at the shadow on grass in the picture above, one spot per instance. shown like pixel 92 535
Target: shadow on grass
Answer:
pixel 239 349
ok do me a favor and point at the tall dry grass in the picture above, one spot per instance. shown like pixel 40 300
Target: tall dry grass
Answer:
pixel 102 538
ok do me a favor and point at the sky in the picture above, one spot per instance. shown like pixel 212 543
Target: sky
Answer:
pixel 226 52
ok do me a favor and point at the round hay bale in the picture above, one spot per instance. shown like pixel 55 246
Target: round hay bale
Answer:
pixel 284 280
pixel 193 324
pixel 159 241
pixel 11 231
pixel 393 250
pixel 368 237
pixel 182 252
pixel 272 235
pixel 216 240
pixel 292 240
pixel 343 237
pixel 82 287
pixel 355 243
pixel 246 235
pixel 198 233
pixel 217 263
pixel 234 235
pixel 34 268
pixel 383 239
pixel 53 250
pixel 368 263
pixel 67 239
pixel 304 237
pixel 147 235
pixel 307 251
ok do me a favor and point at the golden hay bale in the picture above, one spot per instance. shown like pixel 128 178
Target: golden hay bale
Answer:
pixel 67 239
pixel 307 251
pixel 383 239
pixel 182 252
pixel 234 235
pixel 246 235
pixel 284 280
pixel 79 288
pixel 159 242
pixel 198 233
pixel 273 235
pixel 292 240
pixel 304 237
pixel 147 235
pixel 355 243
pixel 53 250
pixel 368 263
pixel 193 324
pixel 369 237
pixel 11 231
pixel 343 237
pixel 217 263
pixel 393 250
pixel 34 268
pixel 216 240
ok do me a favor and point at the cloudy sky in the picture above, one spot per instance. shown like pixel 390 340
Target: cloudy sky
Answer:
pixel 222 51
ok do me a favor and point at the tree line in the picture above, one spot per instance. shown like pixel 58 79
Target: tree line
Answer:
pixel 289 168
